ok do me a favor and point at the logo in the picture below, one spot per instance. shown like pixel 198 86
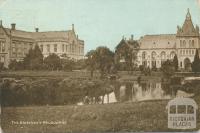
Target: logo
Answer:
pixel 182 113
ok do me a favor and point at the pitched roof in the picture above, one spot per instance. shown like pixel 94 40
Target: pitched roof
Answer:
pixel 19 33
pixel 157 41
pixel 48 35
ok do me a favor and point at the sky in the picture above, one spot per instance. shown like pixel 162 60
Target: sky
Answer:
pixel 100 22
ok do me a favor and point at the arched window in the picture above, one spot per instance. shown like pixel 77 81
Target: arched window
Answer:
pixel 153 58
pixel 144 55
pixel 163 55
pixel 41 48
pixel 181 43
pixel 172 54
pixel 153 55
pixel 184 43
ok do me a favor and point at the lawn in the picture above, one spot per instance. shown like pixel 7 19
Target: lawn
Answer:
pixel 138 116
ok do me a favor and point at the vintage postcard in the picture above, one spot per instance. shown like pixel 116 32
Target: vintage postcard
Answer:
pixel 99 66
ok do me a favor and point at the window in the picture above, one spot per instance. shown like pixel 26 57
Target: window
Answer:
pixel 193 43
pixel 172 54
pixel 144 55
pixel 3 46
pixel 30 45
pixel 2 58
pixel 186 52
pixel 55 47
pixel 0 46
pixel 184 43
pixel 181 52
pixel 192 52
pixel 66 48
pixel 13 48
pixel 181 43
pixel 63 48
pixel 163 55
pixel 25 48
pixel 190 43
pixel 48 48
pixel 41 48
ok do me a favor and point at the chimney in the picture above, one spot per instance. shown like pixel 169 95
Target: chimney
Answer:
pixel 132 37
pixel 36 29
pixel 72 27
pixel 13 26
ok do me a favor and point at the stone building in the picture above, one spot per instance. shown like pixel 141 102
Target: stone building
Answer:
pixel 15 44
pixel 155 49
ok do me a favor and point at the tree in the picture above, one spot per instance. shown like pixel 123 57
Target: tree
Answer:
pixel 168 68
pixel 101 59
pixel 53 62
pixel 67 64
pixel 126 51
pixel 196 62
pixel 104 59
pixel 34 59
pixel 175 62
pixel 16 65
pixel 90 61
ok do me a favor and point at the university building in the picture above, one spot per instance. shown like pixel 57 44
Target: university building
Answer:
pixel 155 49
pixel 15 44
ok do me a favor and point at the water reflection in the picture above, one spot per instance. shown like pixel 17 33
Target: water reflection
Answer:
pixel 134 91
pixel 26 91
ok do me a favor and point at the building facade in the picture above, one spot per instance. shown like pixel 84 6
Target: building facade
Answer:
pixel 155 49
pixel 15 44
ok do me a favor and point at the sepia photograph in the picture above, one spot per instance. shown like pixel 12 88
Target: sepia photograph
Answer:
pixel 70 66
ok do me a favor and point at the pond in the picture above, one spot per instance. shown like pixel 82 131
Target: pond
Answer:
pixel 34 92
pixel 134 91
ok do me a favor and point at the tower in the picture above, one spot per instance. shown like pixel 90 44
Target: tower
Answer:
pixel 187 41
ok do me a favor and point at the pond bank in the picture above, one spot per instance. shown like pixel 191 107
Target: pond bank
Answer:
pixel 137 116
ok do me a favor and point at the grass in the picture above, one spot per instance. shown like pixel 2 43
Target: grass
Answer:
pixel 140 116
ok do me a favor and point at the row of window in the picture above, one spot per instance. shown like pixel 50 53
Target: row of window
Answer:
pixel 162 55
pixel 154 62
pixel 66 48
pixel 19 49
pixel 187 52
pixel 183 43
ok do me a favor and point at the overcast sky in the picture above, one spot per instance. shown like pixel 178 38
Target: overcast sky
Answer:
pixel 100 22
